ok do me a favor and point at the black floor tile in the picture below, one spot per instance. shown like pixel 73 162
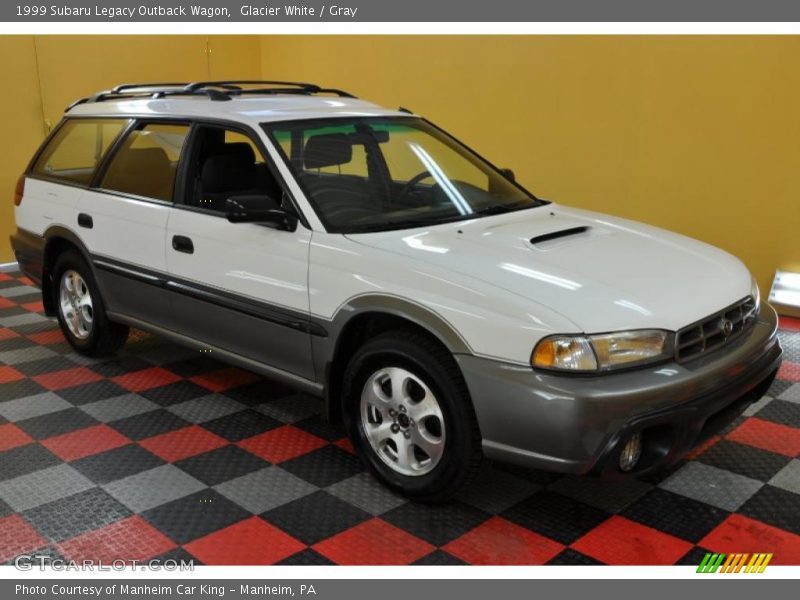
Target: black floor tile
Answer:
pixel 57 423
pixel 572 557
pixel 555 516
pixel 92 392
pixel 325 466
pixel 195 516
pixel 221 465
pixel 744 459
pixel 782 412
pixel 241 425
pixel 76 514
pixel 315 517
pixel 306 558
pixel 174 393
pixel 774 506
pixel 148 424
pixel 25 459
pixel 439 558
pixel 675 514
pixel 117 463
pixel 436 524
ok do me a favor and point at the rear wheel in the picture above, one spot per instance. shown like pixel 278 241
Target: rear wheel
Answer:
pixel 409 415
pixel 80 309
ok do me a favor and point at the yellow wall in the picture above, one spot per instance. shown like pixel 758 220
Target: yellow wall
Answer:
pixel 46 73
pixel 697 134
pixel 700 135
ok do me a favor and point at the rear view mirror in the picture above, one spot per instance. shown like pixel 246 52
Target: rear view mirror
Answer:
pixel 508 174
pixel 263 210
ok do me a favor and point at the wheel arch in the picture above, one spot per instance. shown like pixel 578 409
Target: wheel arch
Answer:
pixel 364 317
pixel 57 240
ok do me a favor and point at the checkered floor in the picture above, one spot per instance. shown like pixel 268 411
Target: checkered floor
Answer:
pixel 162 453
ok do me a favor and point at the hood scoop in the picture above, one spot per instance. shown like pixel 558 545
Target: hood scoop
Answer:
pixel 538 240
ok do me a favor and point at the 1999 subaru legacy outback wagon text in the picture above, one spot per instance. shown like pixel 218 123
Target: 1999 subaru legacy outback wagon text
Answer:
pixel 365 256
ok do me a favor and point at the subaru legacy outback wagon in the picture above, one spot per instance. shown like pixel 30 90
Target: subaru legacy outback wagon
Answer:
pixel 367 257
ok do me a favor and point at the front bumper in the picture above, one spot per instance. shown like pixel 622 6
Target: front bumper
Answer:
pixel 578 424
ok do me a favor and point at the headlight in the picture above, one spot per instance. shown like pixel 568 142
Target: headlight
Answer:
pixel 602 352
pixel 754 291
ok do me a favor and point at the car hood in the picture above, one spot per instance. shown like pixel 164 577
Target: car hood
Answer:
pixel 600 272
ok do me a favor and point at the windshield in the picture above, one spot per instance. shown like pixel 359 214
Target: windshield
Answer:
pixel 374 174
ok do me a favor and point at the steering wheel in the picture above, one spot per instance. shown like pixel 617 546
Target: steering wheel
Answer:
pixel 412 183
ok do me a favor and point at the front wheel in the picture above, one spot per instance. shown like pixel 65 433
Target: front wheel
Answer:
pixel 81 312
pixel 409 415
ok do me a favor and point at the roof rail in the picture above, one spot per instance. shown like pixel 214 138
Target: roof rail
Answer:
pixel 214 90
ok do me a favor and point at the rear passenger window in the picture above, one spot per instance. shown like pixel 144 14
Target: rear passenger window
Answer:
pixel 146 163
pixel 77 148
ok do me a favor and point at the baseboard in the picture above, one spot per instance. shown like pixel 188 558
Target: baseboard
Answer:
pixel 6 267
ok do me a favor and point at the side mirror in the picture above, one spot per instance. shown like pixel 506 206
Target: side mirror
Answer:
pixel 508 174
pixel 263 210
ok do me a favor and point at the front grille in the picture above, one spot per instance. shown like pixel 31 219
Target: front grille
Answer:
pixel 715 331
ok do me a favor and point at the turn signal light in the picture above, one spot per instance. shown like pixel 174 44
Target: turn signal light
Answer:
pixel 19 191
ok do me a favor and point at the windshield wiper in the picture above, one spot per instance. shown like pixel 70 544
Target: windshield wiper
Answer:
pixel 403 224
pixel 498 209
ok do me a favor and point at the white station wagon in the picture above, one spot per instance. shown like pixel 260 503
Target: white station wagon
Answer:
pixel 365 256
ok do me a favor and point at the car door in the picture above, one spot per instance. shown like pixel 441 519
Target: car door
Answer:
pixel 241 287
pixel 123 219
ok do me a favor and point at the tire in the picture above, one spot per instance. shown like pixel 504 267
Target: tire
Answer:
pixel 441 446
pixel 86 327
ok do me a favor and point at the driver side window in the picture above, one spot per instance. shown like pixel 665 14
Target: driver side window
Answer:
pixel 225 164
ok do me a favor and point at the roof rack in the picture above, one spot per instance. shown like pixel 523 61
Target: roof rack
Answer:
pixel 215 90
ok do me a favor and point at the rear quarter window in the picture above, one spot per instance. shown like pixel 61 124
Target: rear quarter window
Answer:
pixel 76 149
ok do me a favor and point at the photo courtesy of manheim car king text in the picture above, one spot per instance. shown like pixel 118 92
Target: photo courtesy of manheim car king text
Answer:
pixel 389 299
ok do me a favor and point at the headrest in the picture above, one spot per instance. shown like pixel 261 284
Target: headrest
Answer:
pixel 327 150
pixel 242 150
pixel 229 172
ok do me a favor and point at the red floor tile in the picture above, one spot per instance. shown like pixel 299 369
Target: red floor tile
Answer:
pixel 183 443
pixel 499 542
pixel 6 303
pixel 129 539
pixel 17 537
pixel 374 542
pixel 346 445
pixel 281 444
pixel 85 442
pixel 12 436
pixel 703 447
pixel 789 323
pixel 742 534
pixel 9 374
pixel 225 379
pixel 7 334
pixel 619 541
pixel 34 306
pixel 250 542
pixel 4 276
pixel 59 380
pixel 51 336
pixel 25 281
pixel 789 371
pixel 766 435
pixel 146 379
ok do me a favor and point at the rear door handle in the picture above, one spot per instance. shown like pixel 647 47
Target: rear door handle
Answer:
pixel 181 243
pixel 85 220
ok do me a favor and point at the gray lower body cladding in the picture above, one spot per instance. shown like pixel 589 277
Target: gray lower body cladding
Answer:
pixel 577 424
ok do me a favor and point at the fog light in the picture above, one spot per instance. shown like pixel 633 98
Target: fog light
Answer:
pixel 631 452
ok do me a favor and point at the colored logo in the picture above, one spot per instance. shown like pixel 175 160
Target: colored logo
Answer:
pixel 734 563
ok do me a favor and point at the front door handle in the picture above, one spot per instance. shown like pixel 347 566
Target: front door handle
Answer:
pixel 85 220
pixel 181 243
